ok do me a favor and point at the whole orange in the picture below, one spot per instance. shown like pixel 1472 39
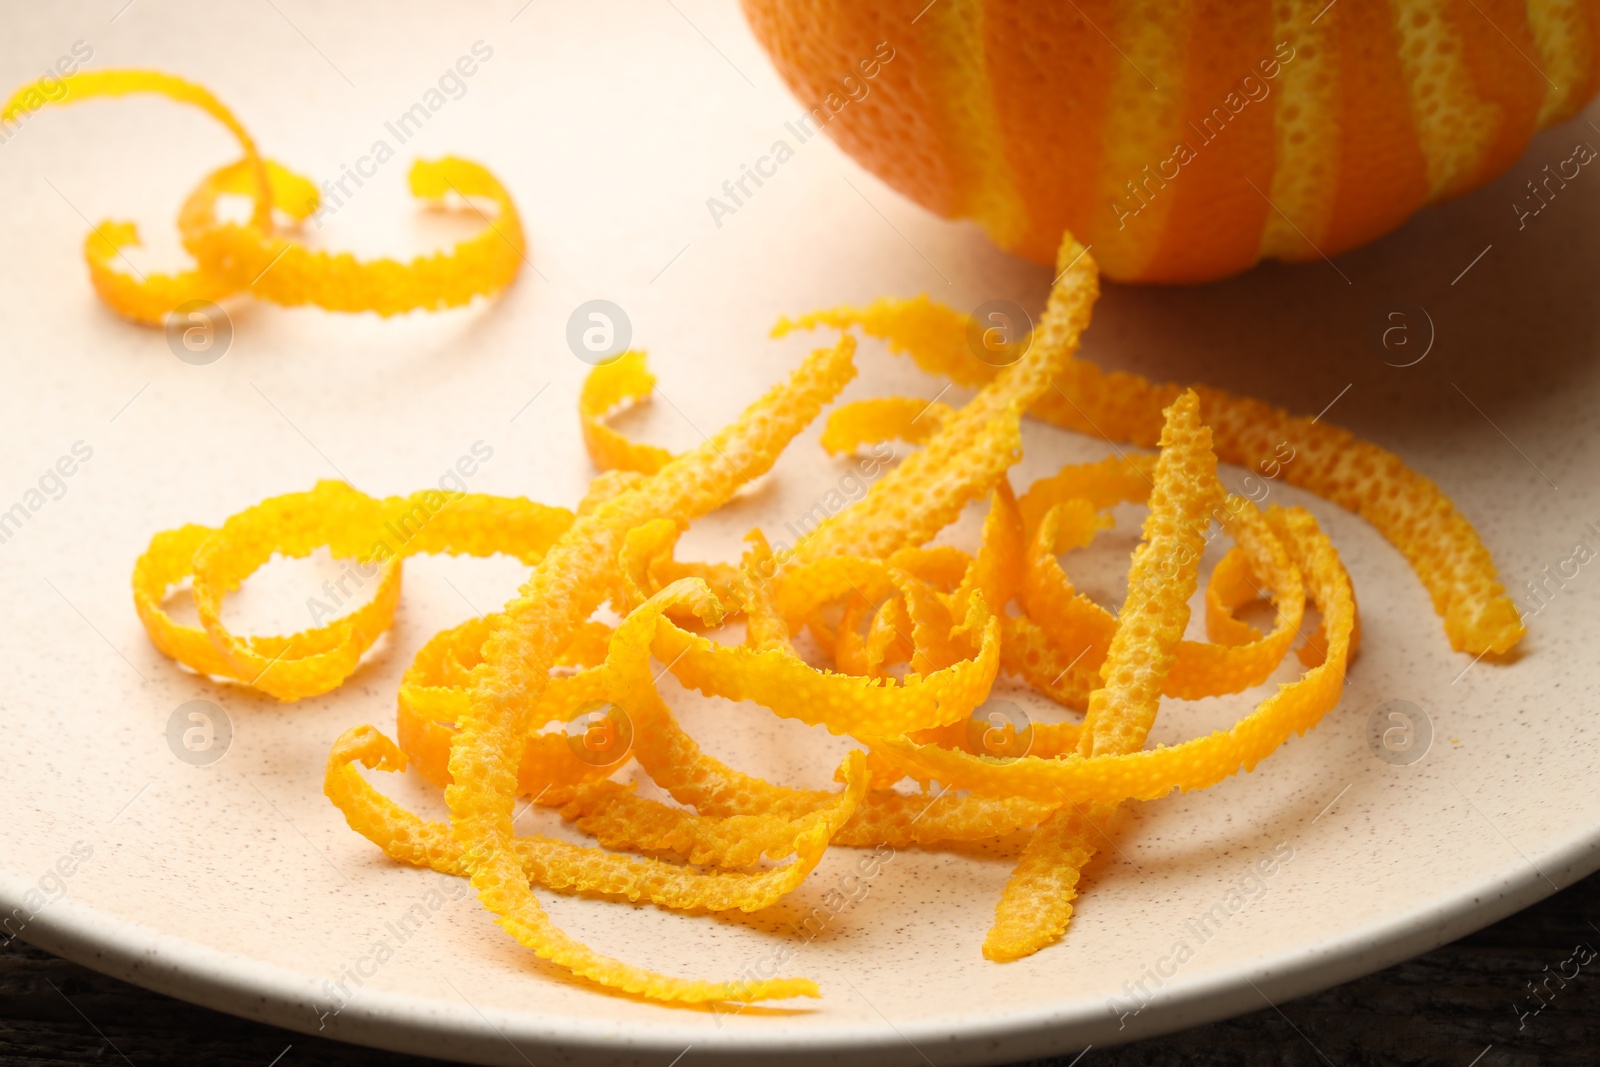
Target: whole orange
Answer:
pixel 1184 139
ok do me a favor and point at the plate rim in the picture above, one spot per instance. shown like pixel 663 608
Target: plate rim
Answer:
pixel 271 993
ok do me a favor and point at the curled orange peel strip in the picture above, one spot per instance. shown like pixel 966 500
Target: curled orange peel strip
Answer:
pixel 1076 625
pixel 883 418
pixel 1036 904
pixel 152 297
pixel 624 381
pixel 1111 481
pixel 933 335
pixel 149 298
pixel 273 267
pixel 888 638
pixel 90 84
pixel 996 571
pixel 1232 586
pixel 1164 575
pixel 374 534
pixel 646 565
pixel 252 256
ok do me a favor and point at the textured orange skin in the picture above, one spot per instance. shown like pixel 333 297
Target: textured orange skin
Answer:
pixel 1216 221
pixel 1376 131
pixel 1502 76
pixel 1065 87
pixel 1047 74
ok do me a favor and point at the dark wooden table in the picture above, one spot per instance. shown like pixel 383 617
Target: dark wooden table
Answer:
pixel 1456 1006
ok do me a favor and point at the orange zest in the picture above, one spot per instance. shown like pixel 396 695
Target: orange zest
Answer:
pixel 922 643
pixel 257 256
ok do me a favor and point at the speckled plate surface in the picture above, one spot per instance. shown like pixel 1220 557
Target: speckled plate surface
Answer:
pixel 235 884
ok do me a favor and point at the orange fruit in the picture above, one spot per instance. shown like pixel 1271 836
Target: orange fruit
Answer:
pixel 1183 140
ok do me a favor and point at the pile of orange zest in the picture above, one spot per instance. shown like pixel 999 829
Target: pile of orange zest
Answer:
pixel 919 632
pixel 255 257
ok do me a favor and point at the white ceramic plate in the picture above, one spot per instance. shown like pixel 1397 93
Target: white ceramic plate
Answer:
pixel 236 885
